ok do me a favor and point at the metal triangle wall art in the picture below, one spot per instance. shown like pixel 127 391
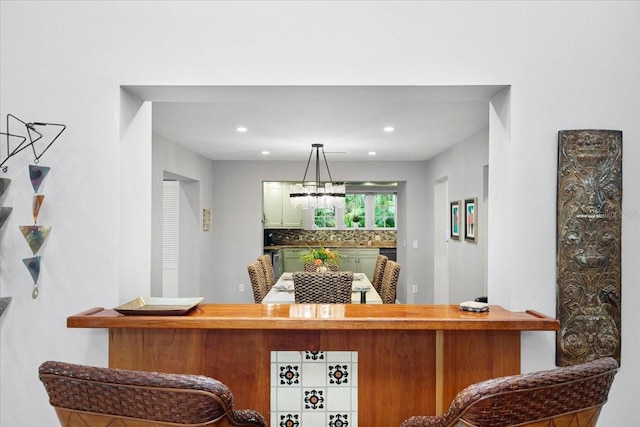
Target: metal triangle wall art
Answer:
pixel 40 136
pixel 37 174
pixel 4 184
pixel 35 235
pixel 33 265
pixel 9 151
pixel 4 211
pixel 50 131
pixel 4 214
pixel 38 200
pixel 4 303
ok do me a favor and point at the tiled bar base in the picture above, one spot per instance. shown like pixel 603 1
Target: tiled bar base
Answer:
pixel 314 389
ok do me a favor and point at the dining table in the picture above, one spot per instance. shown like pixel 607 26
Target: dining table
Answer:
pixel 282 292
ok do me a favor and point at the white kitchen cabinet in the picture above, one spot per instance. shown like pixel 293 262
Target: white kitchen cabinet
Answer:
pixel 358 260
pixel 348 259
pixel 277 209
pixel 367 258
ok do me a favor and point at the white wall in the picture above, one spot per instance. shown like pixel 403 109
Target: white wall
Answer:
pixel 570 65
pixel 196 246
pixel 463 166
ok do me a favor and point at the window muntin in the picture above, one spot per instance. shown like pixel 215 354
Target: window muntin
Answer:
pixel 324 217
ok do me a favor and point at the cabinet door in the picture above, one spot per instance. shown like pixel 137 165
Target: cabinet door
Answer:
pixel 291 216
pixel 367 261
pixel 292 260
pixel 272 204
pixel 349 260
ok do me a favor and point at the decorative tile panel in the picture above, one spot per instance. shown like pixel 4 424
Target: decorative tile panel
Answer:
pixel 314 389
pixel 589 241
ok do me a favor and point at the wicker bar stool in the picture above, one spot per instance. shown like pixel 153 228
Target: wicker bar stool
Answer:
pixel 566 396
pixel 322 288
pixel 87 396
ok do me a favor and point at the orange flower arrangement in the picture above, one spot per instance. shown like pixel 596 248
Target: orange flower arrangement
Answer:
pixel 320 256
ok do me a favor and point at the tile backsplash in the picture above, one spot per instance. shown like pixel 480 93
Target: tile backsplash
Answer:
pixel 284 236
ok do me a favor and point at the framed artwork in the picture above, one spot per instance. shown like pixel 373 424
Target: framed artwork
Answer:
pixel 471 220
pixel 454 220
pixel 206 219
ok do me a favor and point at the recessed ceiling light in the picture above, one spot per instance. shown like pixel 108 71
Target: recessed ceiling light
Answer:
pixel 372 153
pixel 389 129
pixel 241 129
pixel 265 152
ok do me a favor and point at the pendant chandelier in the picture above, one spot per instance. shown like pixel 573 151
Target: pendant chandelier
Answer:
pixel 317 194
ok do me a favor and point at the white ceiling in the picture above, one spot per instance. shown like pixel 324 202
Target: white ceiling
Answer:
pixel 348 120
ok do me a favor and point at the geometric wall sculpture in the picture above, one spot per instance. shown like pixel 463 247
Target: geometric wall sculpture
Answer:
pixel 589 216
pixel 4 211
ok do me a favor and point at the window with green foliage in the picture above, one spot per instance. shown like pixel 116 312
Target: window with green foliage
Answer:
pixel 366 211
pixel 354 210
pixel 385 211
pixel 325 217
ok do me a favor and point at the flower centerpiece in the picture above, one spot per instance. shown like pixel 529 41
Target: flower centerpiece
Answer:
pixel 320 259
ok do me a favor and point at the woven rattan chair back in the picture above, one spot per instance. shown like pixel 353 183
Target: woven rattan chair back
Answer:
pixel 312 268
pixel 566 396
pixel 389 283
pixel 91 396
pixel 267 267
pixel 378 272
pixel 322 288
pixel 258 281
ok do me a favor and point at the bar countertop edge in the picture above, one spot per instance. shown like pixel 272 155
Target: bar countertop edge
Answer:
pixel 322 317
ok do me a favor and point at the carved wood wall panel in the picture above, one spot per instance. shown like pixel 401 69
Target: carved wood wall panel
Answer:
pixel 588 245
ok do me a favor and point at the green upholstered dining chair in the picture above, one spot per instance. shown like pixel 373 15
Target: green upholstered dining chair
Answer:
pixel 88 396
pixel 570 396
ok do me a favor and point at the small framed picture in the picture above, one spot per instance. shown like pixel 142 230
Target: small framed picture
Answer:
pixel 471 220
pixel 206 219
pixel 454 220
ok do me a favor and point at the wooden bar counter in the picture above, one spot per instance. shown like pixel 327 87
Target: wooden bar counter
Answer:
pixel 413 359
